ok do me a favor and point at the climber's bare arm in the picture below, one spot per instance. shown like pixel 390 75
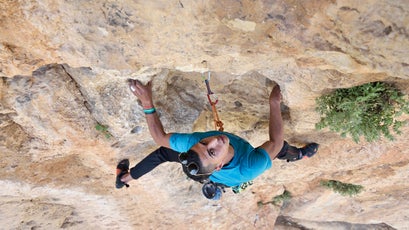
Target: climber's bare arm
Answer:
pixel 144 94
pixel 276 132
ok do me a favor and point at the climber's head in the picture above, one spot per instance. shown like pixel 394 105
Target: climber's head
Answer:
pixel 213 152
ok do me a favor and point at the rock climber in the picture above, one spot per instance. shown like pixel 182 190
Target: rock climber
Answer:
pixel 215 158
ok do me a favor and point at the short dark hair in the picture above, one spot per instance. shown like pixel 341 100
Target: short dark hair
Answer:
pixel 203 169
pixel 193 156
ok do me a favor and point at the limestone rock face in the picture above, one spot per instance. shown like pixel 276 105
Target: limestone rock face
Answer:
pixel 67 116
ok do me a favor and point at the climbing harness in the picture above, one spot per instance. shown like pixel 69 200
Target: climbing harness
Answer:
pixel 218 124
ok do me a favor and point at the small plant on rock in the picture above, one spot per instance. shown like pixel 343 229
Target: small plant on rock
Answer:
pixel 286 196
pixel 104 130
pixel 277 200
pixel 368 110
pixel 342 188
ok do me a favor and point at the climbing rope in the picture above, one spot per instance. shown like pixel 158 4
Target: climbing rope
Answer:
pixel 218 124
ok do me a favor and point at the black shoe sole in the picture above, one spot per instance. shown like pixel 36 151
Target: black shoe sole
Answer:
pixel 123 165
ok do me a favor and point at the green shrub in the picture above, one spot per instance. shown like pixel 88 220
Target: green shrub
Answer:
pixel 103 129
pixel 286 196
pixel 368 110
pixel 277 200
pixel 342 188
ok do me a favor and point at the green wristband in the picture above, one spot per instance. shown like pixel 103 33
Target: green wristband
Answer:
pixel 149 111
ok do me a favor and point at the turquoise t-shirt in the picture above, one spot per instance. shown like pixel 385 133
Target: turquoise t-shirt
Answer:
pixel 248 162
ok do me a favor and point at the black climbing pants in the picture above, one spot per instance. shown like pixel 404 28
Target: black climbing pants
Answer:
pixel 289 153
pixel 154 159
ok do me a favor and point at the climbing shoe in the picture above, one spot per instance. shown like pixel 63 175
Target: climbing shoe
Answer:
pixel 309 150
pixel 121 169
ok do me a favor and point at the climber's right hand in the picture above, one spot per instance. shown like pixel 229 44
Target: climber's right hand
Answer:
pixel 142 92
